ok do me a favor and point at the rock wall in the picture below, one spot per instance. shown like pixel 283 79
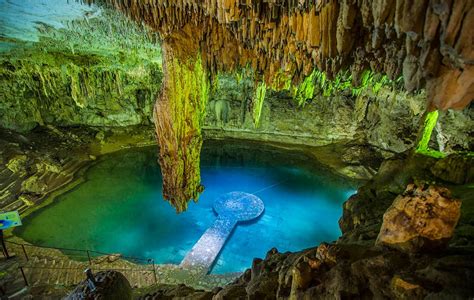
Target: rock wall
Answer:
pixel 100 71
pixel 114 97
pixel 388 120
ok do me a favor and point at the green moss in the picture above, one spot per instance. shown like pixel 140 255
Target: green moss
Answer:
pixel 318 83
pixel 430 123
pixel 423 145
pixel 432 153
pixel 258 103
pixel 305 91
pixel 178 118
pixel 85 66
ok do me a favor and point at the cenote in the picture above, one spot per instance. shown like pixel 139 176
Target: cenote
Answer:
pixel 119 208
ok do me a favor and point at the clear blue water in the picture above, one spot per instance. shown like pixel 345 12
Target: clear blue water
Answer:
pixel 119 209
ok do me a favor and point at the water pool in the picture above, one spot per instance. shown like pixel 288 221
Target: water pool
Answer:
pixel 119 208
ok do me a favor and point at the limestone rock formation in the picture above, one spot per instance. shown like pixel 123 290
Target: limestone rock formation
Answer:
pixel 176 292
pixel 333 271
pixel 458 169
pixel 422 218
pixel 179 114
pixel 428 42
pixel 85 73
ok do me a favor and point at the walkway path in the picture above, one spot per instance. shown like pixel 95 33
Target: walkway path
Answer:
pixel 231 208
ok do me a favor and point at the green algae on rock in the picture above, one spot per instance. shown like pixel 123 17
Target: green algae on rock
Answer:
pixel 179 114
pixel 423 148
pixel 106 67
pixel 258 103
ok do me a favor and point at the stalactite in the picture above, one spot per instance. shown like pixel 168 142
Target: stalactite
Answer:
pixel 423 145
pixel 179 113
pixel 257 104
pixel 425 41
pixel 305 91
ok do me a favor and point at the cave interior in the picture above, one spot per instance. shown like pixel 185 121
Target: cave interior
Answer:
pixel 220 116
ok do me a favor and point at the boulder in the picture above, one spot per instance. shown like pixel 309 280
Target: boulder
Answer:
pixel 109 285
pixel 422 218
pixel 456 168
pixel 403 289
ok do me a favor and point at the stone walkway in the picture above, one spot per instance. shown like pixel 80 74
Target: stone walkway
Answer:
pixel 231 208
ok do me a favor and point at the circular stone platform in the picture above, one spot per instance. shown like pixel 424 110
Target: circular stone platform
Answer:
pixel 239 206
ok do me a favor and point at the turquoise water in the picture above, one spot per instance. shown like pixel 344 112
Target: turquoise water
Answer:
pixel 119 209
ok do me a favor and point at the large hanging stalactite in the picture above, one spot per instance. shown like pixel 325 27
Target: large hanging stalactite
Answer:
pixel 179 113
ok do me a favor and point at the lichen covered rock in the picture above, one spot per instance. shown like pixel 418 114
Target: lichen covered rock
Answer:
pixel 422 218
pixel 179 114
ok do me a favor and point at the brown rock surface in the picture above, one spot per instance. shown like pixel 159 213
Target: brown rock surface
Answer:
pixel 419 219
pixel 458 169
pixel 427 41
pixel 361 272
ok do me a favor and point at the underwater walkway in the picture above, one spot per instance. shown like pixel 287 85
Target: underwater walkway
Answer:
pixel 231 208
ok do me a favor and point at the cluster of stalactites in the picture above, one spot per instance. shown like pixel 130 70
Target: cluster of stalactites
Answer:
pixel 428 41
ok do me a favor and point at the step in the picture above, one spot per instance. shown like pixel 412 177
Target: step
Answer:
pixel 50 272
pixel 69 273
pixel 62 273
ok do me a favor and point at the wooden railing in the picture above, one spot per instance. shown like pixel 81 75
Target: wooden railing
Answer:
pixel 37 259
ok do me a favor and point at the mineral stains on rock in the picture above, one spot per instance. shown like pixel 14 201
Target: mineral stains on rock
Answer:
pixel 426 41
pixel 179 115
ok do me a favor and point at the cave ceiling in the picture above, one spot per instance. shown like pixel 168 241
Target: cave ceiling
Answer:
pixel 427 43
